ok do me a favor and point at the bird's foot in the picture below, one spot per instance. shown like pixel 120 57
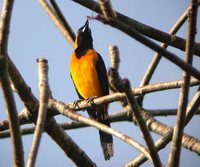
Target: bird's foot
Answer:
pixel 90 101
pixel 76 103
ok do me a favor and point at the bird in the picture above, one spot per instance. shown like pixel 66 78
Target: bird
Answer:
pixel 89 76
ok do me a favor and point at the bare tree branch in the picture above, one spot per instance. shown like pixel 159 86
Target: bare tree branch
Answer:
pixel 187 141
pixel 157 127
pixel 116 117
pixel 151 32
pixel 137 91
pixel 143 118
pixel 164 112
pixel 157 57
pixel 31 103
pixel 64 28
pixel 154 125
pixel 152 45
pixel 44 95
pixel 12 116
pixel 113 75
pixel 106 9
pixel 141 123
pixel 30 116
pixel 64 21
pixel 174 156
pixel 18 157
pixel 64 110
pixel 71 149
pixel 25 117
pixel 124 86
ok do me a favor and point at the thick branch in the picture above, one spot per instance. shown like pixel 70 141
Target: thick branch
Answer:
pixel 137 91
pixel 31 103
pixel 137 113
pixel 25 118
pixel 152 45
pixel 44 95
pixel 174 157
pixel 107 99
pixel 124 86
pixel 64 110
pixel 18 157
pixel 106 9
pixel 151 32
pixel 12 118
pixel 167 133
pixel 70 148
pixel 155 126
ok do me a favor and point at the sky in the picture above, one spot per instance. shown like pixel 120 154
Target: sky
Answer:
pixel 34 35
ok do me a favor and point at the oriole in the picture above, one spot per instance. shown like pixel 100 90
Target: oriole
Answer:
pixel 89 75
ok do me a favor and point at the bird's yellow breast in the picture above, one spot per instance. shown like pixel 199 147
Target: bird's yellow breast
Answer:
pixel 84 74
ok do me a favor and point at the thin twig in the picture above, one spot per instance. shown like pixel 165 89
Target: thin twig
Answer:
pixel 44 95
pixel 18 157
pixel 174 156
pixel 116 117
pixel 157 57
pixel 163 112
pixel 64 110
pixel 148 31
pixel 63 20
pixel 66 32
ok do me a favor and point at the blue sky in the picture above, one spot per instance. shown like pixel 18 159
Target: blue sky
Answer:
pixel 33 35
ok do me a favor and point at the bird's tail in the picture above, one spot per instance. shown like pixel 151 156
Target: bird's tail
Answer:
pixel 101 115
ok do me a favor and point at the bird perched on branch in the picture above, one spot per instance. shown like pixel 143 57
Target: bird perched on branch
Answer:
pixel 89 75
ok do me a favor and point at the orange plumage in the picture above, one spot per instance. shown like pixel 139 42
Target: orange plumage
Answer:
pixel 85 75
pixel 89 75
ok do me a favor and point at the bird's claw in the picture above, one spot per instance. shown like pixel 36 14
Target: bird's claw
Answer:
pixel 76 103
pixel 90 100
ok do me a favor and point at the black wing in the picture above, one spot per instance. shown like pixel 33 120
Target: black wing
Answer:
pixel 102 75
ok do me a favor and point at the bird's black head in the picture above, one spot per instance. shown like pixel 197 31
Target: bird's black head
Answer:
pixel 83 40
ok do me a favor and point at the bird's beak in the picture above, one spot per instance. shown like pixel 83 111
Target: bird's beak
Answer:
pixel 85 26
